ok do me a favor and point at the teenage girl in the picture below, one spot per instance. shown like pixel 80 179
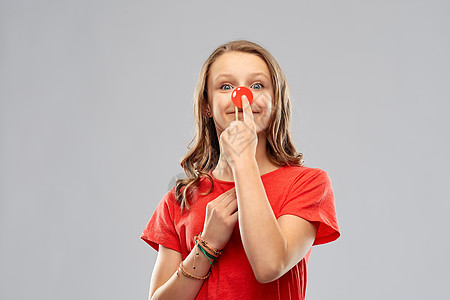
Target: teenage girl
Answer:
pixel 243 222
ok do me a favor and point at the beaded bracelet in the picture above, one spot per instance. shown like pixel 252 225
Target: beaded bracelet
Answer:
pixel 185 273
pixel 213 251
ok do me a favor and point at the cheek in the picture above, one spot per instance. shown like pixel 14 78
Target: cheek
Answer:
pixel 264 102
pixel 221 101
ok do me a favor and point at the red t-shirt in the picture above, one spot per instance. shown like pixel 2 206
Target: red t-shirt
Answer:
pixel 301 191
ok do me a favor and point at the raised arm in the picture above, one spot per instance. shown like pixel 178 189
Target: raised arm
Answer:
pixel 272 246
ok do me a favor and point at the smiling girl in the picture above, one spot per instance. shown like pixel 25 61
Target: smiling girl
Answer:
pixel 243 222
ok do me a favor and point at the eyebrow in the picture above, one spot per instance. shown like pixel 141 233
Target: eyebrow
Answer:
pixel 232 76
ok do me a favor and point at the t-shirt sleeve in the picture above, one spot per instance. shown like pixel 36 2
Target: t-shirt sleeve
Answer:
pixel 160 230
pixel 311 197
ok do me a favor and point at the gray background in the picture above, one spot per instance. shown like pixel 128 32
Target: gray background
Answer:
pixel 96 113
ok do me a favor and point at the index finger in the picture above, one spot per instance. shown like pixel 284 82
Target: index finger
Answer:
pixel 247 113
pixel 226 195
pixel 231 191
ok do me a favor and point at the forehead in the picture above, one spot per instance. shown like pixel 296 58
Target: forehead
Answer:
pixel 239 64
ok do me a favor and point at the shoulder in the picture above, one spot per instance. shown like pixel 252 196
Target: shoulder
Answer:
pixel 302 170
pixel 168 202
pixel 299 174
pixel 169 197
pixel 302 180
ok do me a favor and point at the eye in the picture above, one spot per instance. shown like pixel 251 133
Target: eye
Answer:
pixel 257 86
pixel 226 87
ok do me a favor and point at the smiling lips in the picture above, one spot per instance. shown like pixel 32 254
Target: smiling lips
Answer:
pixel 240 110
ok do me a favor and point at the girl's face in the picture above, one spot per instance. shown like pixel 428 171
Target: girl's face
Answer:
pixel 232 70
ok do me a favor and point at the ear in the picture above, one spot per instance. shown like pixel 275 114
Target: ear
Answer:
pixel 205 110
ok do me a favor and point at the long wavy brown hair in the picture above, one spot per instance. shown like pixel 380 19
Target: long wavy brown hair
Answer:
pixel 204 155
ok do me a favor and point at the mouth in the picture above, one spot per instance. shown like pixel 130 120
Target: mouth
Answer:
pixel 240 110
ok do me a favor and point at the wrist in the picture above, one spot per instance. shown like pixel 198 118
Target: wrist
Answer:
pixel 208 239
pixel 245 166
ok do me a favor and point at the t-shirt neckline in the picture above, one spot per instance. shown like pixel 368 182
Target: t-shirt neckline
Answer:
pixel 271 173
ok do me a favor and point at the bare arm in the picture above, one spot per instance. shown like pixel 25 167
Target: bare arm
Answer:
pixel 166 284
pixel 272 246
pixel 220 219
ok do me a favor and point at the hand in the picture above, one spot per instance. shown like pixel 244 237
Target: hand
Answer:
pixel 221 216
pixel 239 140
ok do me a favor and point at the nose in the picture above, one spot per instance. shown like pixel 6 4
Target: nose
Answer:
pixel 238 93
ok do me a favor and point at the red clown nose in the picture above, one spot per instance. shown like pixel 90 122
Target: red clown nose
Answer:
pixel 238 93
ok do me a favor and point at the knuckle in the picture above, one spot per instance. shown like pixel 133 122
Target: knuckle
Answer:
pixel 219 214
pixel 229 222
pixel 212 210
